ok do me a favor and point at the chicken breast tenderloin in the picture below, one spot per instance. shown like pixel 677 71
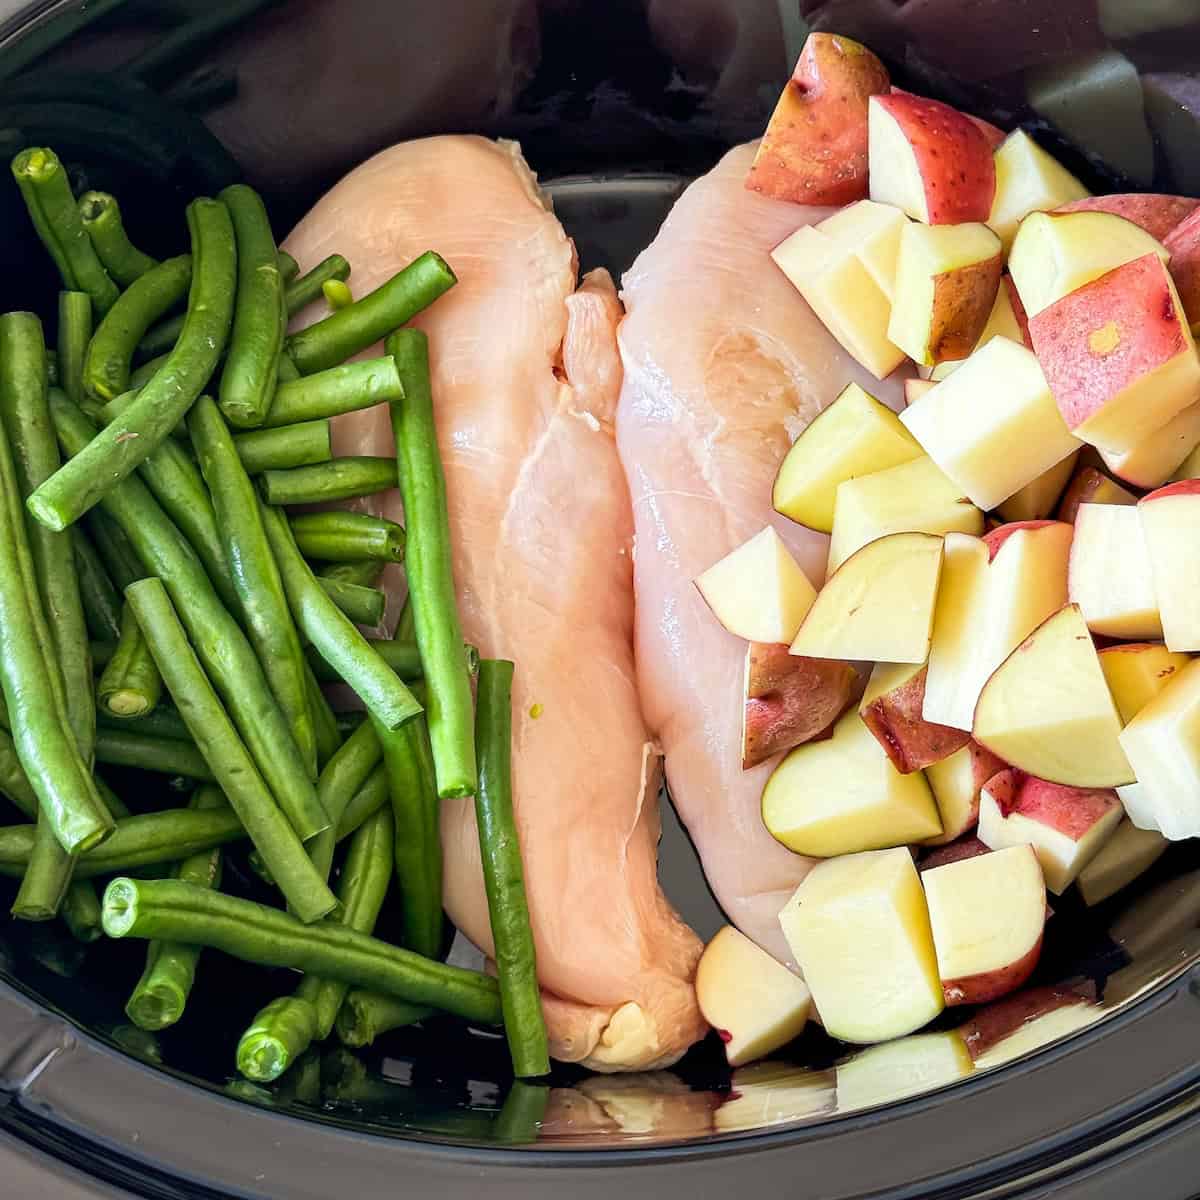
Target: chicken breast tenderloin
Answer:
pixel 725 365
pixel 525 379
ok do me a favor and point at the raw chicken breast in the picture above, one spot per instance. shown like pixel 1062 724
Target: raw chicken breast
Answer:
pixel 525 378
pixel 725 365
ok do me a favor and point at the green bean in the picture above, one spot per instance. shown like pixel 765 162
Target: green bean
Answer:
pixel 279 1034
pixel 146 371
pixel 80 911
pixel 116 552
pixel 365 803
pixel 101 603
pixel 123 446
pixel 141 841
pixel 74 334
pixel 259 322
pixel 362 605
pixel 304 290
pixel 102 655
pixel 47 879
pixel 406 627
pixel 430 571
pixel 159 998
pixel 363 572
pixel 51 204
pixel 228 657
pixel 14 783
pixel 286 372
pixel 339 479
pixel 285 1028
pixel 32 683
pixel 25 409
pixel 101 217
pixel 113 802
pixel 344 774
pixel 401 657
pixel 289 268
pixel 340 536
pixel 337 640
pixel 167 908
pixel 412 788
pixel 337 294
pixel 347 388
pixel 364 1016
pixel 110 356
pixel 299 445
pixel 255 574
pixel 179 487
pixel 52 372
pixel 226 754
pixel 130 686
pixel 146 752
pixel 504 874
pixel 163 722
pixel 349 330
pixel 325 730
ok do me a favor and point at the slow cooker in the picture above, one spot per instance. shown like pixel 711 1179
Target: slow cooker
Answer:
pixel 1091 1089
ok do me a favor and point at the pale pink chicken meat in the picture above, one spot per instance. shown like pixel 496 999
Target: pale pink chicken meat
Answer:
pixel 725 365
pixel 525 380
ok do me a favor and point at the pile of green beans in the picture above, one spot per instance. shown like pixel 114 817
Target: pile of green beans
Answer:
pixel 169 615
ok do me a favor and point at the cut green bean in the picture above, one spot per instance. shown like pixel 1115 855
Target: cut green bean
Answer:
pixel 14 783
pixel 142 374
pixel 299 445
pixel 259 321
pixel 225 753
pixel 325 729
pixel 130 686
pixel 115 550
pixel 109 359
pixel 345 773
pixel 365 572
pixel 123 446
pixel 74 335
pixel 146 752
pixel 285 1029
pixel 343 389
pixel 52 372
pixel 160 996
pixel 32 682
pixel 302 291
pixel 256 577
pixel 80 911
pixel 227 655
pixel 47 880
pixel 520 1119
pixel 101 217
pixel 430 571
pixel 46 191
pixel 167 908
pixel 286 372
pixel 137 842
pixel 362 605
pixel 337 293
pixel 412 787
pixel 401 657
pixel 339 479
pixel 289 268
pixel 163 722
pixel 177 484
pixel 101 603
pixel 330 630
pixel 504 874
pixel 365 803
pixel 406 627
pixel 340 536
pixel 349 330
pixel 364 1016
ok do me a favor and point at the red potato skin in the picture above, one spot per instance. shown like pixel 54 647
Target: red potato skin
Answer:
pixel 815 148
pixel 991 985
pixel 910 741
pixel 1018 310
pixel 1087 482
pixel 994 134
pixel 953 155
pixel 1154 212
pixel 1183 243
pixel 968 846
pixel 1185 487
pixel 991 1025
pixel 790 700
pixel 1071 811
pixel 995 538
pixel 965 297
pixel 1099 339
pixel 984 765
